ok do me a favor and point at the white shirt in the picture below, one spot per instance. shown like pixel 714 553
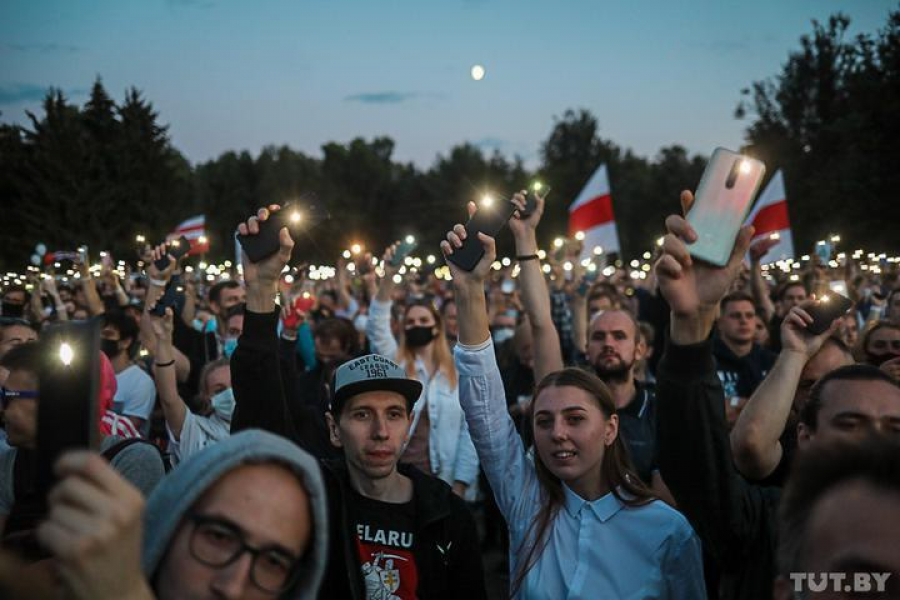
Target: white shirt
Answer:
pixel 135 393
pixel 197 432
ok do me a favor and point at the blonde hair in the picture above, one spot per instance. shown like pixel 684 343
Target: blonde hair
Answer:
pixel 440 349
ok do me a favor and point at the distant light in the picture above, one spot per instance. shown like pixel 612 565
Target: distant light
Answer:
pixel 202 240
pixel 537 186
pixel 835 239
pixel 579 235
pixel 430 259
pixel 775 236
pixel 66 354
pixel 659 241
pixel 346 254
pixel 505 262
pixel 356 248
pixel 296 216
pixel 410 239
pixel 557 243
pixel 397 279
pixel 477 72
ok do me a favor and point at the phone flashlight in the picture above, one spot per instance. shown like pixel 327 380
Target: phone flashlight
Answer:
pixel 745 167
pixel 296 217
pixel 579 235
pixel 66 354
pixel 487 200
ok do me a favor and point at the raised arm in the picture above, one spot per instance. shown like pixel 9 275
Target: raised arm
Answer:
pixel 755 437
pixel 481 394
pixel 534 293
pixel 693 445
pixel 174 408
pixel 758 285
pixel 378 326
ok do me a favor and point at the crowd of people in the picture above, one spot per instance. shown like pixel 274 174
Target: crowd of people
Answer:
pixel 673 432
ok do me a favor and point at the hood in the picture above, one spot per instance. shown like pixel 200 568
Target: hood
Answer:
pixel 181 488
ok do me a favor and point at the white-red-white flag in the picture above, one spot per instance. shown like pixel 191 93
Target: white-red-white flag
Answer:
pixel 770 219
pixel 592 214
pixel 194 229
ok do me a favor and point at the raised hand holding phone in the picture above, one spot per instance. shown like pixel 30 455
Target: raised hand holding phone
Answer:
pixel 487 220
pixel 262 277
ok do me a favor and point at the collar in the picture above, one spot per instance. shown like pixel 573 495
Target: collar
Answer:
pixel 604 508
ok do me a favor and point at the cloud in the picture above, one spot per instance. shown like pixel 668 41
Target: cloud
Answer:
pixel 16 93
pixel 381 97
pixel 43 48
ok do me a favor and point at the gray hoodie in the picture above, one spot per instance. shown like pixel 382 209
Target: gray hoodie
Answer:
pixel 180 489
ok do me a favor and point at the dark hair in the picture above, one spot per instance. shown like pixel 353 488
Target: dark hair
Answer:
pixel 789 285
pixel 809 414
pixel 125 325
pixel 648 333
pixel 616 469
pixel 15 287
pixel 341 330
pixel 737 297
pixel 7 322
pixel 604 289
pixel 28 357
pixel 215 292
pixel 237 309
pixel 876 326
pixel 816 473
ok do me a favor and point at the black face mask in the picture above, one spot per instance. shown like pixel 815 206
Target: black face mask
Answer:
pixel 416 337
pixel 110 348
pixel 879 359
pixel 16 311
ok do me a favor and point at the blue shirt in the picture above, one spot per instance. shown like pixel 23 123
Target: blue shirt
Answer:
pixel 600 549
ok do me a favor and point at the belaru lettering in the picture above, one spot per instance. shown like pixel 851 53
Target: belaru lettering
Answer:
pixel 397 539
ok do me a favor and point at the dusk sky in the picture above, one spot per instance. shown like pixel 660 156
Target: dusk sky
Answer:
pixel 233 75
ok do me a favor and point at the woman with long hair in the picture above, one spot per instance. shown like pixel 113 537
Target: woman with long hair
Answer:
pixel 439 438
pixel 581 523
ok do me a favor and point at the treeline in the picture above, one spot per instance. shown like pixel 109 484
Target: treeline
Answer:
pixel 103 172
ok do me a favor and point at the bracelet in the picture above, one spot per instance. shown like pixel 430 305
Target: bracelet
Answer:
pixel 168 364
pixel 157 282
pixel 525 257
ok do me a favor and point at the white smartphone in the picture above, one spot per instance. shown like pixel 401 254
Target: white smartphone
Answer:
pixel 723 199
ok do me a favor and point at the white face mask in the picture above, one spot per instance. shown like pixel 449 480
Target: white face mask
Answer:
pixel 502 334
pixel 360 323
pixel 223 404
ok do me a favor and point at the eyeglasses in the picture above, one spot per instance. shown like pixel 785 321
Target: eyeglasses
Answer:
pixel 218 543
pixel 885 344
pixel 7 395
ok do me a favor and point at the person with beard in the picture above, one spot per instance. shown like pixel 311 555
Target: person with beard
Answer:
pixel 190 432
pixel 764 439
pixel 136 393
pixel 741 363
pixel 439 442
pixel 614 348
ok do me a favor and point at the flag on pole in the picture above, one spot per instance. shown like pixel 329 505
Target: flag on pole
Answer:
pixel 592 214
pixel 194 229
pixel 770 219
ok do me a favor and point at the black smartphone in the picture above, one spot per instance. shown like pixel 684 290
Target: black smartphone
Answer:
pixel 265 243
pixel 825 310
pixel 531 202
pixel 175 248
pixel 169 299
pixel 403 250
pixel 68 384
pixel 488 220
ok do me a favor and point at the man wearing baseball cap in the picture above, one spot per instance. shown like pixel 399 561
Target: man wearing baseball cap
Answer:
pixel 394 532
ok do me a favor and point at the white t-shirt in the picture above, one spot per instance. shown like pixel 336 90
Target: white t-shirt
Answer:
pixel 136 393
pixel 197 432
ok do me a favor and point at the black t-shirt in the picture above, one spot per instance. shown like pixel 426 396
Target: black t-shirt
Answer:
pixel 637 427
pixel 385 542
pixel 741 375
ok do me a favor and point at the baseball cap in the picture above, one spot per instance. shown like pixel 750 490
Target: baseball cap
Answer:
pixel 372 373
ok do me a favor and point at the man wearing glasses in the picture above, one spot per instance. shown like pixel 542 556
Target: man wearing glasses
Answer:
pixel 243 518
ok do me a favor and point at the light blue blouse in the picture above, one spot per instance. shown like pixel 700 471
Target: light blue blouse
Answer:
pixel 599 549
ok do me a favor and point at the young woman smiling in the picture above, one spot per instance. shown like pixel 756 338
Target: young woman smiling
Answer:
pixel 581 523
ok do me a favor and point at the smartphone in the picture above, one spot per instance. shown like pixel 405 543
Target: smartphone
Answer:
pixel 823 251
pixel 838 287
pixel 531 202
pixel 83 255
pixel 169 299
pixel 403 250
pixel 265 243
pixel 724 196
pixel 175 248
pixel 69 384
pixel 825 310
pixel 488 221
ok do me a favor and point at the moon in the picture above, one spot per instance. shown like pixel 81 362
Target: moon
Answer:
pixel 477 72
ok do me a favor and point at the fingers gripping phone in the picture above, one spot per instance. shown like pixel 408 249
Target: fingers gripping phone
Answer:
pixel 68 386
pixel 489 221
pixel 176 249
pixel 825 310
pixel 724 196
pixel 266 243
pixel 403 250
pixel 169 298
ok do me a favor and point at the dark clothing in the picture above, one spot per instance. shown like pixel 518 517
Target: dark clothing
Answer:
pixel 199 348
pixel 741 375
pixel 637 427
pixel 448 561
pixel 736 520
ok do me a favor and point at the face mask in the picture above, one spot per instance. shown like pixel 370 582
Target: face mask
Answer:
pixel 110 348
pixel 360 323
pixel 228 346
pixel 223 403
pixel 416 337
pixel 208 327
pixel 879 359
pixel 13 310
pixel 501 334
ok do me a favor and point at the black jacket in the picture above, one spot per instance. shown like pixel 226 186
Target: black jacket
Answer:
pixel 447 552
pixel 736 520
